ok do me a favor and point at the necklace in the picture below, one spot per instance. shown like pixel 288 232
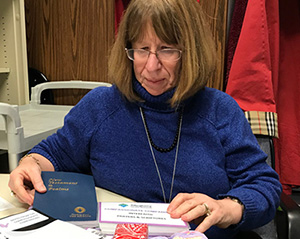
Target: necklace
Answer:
pixel 153 155
pixel 162 150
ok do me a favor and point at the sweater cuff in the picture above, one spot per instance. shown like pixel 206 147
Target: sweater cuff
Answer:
pixel 252 215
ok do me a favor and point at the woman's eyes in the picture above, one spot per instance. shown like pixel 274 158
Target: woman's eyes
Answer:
pixel 166 47
pixel 160 48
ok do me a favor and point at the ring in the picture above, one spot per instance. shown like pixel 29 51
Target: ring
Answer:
pixel 12 193
pixel 207 210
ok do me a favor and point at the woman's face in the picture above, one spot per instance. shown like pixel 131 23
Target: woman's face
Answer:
pixel 154 75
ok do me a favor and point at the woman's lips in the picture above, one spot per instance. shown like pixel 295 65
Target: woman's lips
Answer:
pixel 154 80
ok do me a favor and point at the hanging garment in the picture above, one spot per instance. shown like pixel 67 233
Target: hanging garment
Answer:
pixel 120 6
pixel 288 96
pixel 236 23
pixel 257 80
pixel 254 68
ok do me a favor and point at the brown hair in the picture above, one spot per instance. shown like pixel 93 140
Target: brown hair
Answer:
pixel 178 22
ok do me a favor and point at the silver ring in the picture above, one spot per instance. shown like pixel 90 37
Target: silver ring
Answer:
pixel 207 210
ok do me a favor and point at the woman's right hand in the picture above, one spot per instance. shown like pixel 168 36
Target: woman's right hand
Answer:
pixel 26 178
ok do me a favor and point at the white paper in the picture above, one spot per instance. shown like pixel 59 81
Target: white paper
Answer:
pixel 56 229
pixel 21 220
pixel 4 205
pixel 149 213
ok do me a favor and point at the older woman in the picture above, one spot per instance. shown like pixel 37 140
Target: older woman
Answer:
pixel 158 134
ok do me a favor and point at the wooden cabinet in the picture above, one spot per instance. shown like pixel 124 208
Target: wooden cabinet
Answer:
pixel 70 40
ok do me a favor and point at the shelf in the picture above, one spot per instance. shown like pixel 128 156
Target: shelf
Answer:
pixel 4 70
pixel 13 53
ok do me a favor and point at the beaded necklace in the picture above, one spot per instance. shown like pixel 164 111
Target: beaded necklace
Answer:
pixel 152 145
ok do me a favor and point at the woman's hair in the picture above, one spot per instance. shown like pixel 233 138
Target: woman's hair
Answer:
pixel 178 22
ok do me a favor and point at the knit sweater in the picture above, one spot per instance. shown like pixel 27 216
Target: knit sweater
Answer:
pixel 218 155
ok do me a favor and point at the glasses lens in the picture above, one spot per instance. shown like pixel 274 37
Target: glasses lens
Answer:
pixel 169 54
pixel 142 55
pixel 130 54
pixel 137 54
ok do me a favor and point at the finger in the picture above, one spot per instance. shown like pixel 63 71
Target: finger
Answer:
pixel 20 192
pixel 206 223
pixel 18 181
pixel 28 198
pixel 38 184
pixel 185 208
pixel 194 213
pixel 177 201
pixel 34 177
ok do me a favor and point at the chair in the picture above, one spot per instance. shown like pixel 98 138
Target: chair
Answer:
pixel 286 224
pixel 36 77
pixel 22 127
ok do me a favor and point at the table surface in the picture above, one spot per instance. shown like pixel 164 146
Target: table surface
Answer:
pixel 102 196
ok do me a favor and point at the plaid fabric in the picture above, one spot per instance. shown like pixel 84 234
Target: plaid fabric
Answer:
pixel 264 123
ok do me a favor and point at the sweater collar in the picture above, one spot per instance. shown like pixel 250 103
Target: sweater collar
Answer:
pixel 158 103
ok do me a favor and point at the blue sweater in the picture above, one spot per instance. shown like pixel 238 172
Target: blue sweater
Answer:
pixel 218 155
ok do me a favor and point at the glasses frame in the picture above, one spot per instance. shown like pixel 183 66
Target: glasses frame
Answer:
pixel 156 53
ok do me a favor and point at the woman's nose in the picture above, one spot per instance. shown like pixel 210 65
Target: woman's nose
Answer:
pixel 153 63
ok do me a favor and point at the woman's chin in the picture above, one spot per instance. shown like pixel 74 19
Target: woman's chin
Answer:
pixel 155 92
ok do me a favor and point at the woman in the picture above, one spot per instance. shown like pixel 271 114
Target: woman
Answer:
pixel 158 134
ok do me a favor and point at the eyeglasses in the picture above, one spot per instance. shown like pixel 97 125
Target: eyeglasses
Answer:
pixel 142 55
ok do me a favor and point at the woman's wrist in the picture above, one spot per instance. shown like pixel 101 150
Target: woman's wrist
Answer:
pixel 32 157
pixel 237 201
pixel 235 208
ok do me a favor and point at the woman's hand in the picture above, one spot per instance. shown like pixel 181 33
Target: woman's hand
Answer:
pixel 26 178
pixel 199 207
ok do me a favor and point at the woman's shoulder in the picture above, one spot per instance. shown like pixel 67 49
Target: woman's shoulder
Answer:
pixel 99 101
pixel 219 114
pixel 215 98
pixel 215 92
pixel 215 106
pixel 103 92
pixel 101 96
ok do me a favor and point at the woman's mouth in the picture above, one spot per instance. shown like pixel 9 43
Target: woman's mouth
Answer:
pixel 154 81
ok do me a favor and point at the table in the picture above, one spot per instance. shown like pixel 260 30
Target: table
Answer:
pixel 102 196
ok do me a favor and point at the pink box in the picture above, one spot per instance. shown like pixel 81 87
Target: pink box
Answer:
pixel 131 231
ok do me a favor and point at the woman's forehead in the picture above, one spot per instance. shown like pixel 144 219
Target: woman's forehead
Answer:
pixel 148 34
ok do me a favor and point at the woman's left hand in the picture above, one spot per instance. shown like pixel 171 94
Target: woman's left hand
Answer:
pixel 192 206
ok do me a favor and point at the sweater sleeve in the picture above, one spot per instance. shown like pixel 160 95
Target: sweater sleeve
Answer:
pixel 252 180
